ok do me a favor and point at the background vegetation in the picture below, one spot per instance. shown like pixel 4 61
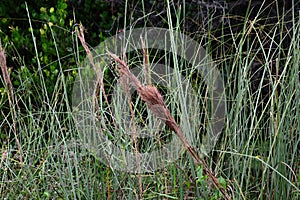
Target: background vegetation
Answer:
pixel 255 45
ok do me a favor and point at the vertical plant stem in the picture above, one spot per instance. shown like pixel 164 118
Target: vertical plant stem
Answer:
pixel 97 70
pixel 125 84
pixel 146 63
pixel 12 102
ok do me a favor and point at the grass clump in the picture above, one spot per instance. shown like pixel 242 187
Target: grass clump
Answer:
pixel 256 157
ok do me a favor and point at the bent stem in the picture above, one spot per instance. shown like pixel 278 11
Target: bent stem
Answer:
pixel 155 102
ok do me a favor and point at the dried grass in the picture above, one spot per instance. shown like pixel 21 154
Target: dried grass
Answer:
pixel 11 98
pixel 155 102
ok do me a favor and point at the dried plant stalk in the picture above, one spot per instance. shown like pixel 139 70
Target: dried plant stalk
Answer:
pixel 11 99
pixel 97 69
pixel 155 102
pixel 99 83
pixel 146 63
pixel 124 82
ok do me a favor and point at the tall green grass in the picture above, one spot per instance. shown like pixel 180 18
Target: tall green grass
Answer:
pixel 257 154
